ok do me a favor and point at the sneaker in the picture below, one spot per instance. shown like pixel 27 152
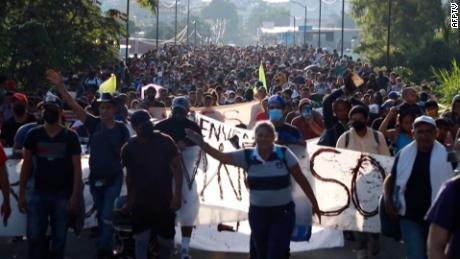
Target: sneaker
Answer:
pixel 362 254
pixel 184 254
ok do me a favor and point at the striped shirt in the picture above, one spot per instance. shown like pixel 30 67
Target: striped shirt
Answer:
pixel 269 181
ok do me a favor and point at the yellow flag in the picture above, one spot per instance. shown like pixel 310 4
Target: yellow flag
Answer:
pixel 262 76
pixel 109 85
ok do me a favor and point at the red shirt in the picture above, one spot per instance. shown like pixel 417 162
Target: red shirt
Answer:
pixel 305 128
pixel 261 116
pixel 3 156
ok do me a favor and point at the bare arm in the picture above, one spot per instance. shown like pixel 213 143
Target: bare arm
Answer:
pixel 4 184
pixel 56 80
pixel 300 178
pixel 388 133
pixel 77 182
pixel 129 189
pixel 388 190
pixel 438 238
pixel 177 171
pixel 24 177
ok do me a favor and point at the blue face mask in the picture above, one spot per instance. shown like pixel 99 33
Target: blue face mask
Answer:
pixel 275 114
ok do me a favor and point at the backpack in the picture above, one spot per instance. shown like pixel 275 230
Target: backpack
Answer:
pixel 347 138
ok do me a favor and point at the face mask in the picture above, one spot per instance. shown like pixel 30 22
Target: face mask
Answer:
pixel 307 112
pixel 358 125
pixel 275 114
pixel 51 116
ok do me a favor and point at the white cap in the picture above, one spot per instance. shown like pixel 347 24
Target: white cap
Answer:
pixel 425 119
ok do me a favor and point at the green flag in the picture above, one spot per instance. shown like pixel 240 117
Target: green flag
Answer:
pixel 262 76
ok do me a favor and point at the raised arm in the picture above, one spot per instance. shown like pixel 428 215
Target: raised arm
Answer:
pixel 389 134
pixel 328 114
pixel 56 79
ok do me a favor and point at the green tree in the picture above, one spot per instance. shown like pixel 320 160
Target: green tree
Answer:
pixel 67 35
pixel 224 13
pixel 266 13
pixel 416 41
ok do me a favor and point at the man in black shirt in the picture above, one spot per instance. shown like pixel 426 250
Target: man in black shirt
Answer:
pixel 152 160
pixel 107 136
pixel 175 127
pixel 52 159
pixel 20 117
pixel 418 173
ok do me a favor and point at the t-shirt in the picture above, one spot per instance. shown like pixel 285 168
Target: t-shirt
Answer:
pixel 269 181
pixel 105 147
pixel 148 163
pixel 288 134
pixel 366 144
pixel 22 132
pixel 176 129
pixel 10 127
pixel 53 166
pixel 418 188
pixel 445 212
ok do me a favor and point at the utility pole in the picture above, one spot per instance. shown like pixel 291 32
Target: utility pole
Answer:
pixel 293 34
pixel 319 26
pixel 343 26
pixel 158 24
pixel 388 34
pixel 195 34
pixel 127 32
pixel 175 26
pixel 305 27
pixel 188 17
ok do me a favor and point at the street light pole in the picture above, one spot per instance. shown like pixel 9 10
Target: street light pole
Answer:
pixel 388 34
pixel 195 33
pixel 175 26
pixel 293 34
pixel 305 28
pixel 158 24
pixel 319 26
pixel 343 26
pixel 188 17
pixel 127 32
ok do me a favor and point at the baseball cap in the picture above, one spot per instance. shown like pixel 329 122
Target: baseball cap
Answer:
pixel 180 102
pixel 394 95
pixel 22 98
pixel 425 119
pixel 140 117
pixel 52 100
pixel 276 99
pixel 106 98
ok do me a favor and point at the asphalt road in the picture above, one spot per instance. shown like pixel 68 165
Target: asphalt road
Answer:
pixel 83 248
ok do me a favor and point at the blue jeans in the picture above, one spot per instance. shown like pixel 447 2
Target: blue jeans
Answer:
pixel 42 210
pixel 104 201
pixel 414 236
pixel 271 229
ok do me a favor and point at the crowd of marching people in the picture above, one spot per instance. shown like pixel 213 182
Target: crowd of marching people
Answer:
pixel 302 94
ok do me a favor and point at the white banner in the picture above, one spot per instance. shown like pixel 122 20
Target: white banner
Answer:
pixel 348 185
